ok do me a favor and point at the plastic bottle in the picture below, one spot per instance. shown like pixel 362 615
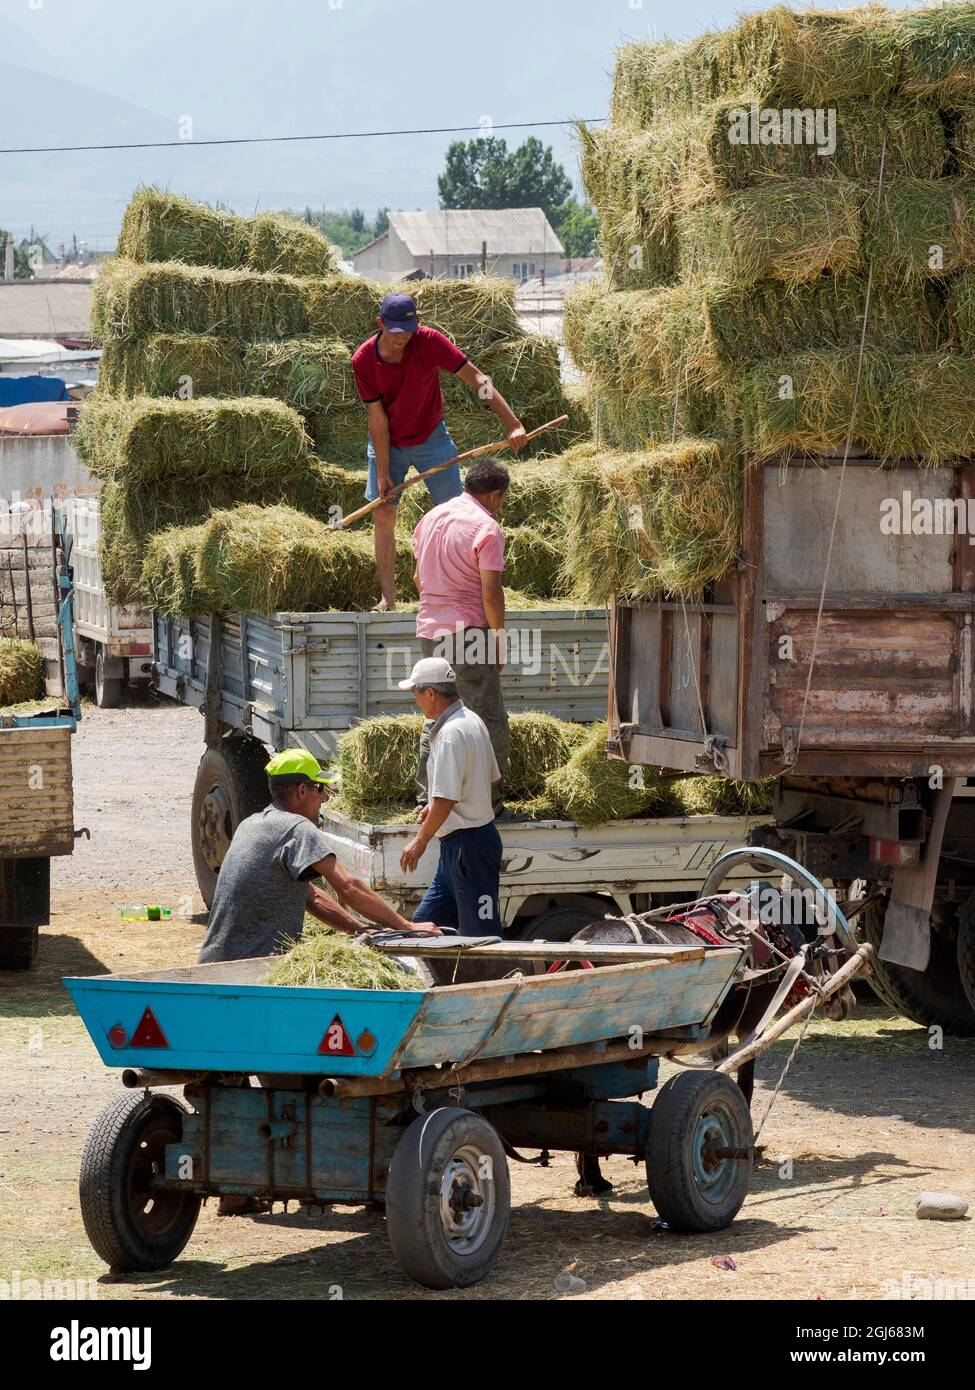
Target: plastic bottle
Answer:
pixel 145 912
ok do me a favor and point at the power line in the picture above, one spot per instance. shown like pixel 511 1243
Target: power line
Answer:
pixel 289 139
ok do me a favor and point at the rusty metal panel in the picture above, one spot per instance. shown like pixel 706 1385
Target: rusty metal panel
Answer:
pixel 881 678
pixel 36 797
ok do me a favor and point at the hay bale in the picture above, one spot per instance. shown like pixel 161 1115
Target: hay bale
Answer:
pixel 720 796
pixel 171 364
pixel 667 520
pixel 148 440
pixel 937 52
pixel 131 300
pixel 911 406
pixel 540 744
pixel 533 562
pixel 288 246
pixel 340 434
pixel 591 788
pixel 804 403
pixel 169 579
pixel 788 231
pixel 475 313
pixel 379 760
pixel 273 559
pixel 327 959
pixel 161 226
pixel 783 57
pixel 639 180
pixel 307 373
pixel 21 671
pixel 923 229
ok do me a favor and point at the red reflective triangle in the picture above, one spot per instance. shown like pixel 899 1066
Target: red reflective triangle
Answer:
pixel 336 1042
pixel 148 1033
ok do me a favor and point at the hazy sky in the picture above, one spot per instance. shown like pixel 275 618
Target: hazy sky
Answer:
pixel 102 71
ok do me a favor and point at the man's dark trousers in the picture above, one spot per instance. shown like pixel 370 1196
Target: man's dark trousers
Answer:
pixel 464 891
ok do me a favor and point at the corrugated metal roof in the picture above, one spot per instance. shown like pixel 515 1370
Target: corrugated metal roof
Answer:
pixel 460 231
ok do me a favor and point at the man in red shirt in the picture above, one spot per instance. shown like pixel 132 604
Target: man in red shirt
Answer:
pixel 397 374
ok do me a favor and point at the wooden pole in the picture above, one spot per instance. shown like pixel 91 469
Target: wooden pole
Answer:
pixel 13 595
pixel 30 601
pixel 448 463
pixel 57 596
pixel 853 966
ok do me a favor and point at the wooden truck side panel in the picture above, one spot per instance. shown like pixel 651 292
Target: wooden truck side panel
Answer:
pixel 892 661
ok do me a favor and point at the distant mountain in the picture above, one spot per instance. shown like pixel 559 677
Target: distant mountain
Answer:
pixel 294 67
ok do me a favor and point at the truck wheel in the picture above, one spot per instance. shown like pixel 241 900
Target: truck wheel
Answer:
pixel 692 1187
pixel 231 785
pixel 108 689
pixel 966 949
pixel 131 1226
pixel 447 1199
pixel 932 996
pixel 18 947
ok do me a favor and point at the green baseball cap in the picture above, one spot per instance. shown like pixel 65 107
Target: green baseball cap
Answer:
pixel 295 762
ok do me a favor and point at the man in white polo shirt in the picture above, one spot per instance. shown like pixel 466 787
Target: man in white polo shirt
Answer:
pixel 462 773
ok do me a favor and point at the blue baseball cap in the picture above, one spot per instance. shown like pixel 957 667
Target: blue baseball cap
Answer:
pixel 398 313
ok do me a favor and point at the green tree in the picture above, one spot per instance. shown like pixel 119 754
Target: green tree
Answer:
pixel 578 228
pixel 381 223
pixel 485 174
pixel 348 230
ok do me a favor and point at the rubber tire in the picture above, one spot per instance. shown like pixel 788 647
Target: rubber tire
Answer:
pixel 18 947
pixel 238 767
pixel 932 996
pixel 966 949
pixel 107 692
pixel 103 1184
pixel 680 1104
pixel 413 1221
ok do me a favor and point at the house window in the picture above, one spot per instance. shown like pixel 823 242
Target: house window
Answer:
pixel 462 270
pixel 524 270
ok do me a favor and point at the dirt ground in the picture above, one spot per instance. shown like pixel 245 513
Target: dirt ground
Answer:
pixel 868 1116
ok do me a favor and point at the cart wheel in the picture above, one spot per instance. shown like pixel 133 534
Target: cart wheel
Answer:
pixel 130 1226
pixel 695 1113
pixel 231 785
pixel 447 1199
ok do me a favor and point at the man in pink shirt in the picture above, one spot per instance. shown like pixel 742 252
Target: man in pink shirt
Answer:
pixel 459 562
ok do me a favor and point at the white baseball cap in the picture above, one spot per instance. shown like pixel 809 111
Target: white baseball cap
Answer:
pixel 429 670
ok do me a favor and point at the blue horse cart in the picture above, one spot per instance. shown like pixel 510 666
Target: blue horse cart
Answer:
pixel 411 1099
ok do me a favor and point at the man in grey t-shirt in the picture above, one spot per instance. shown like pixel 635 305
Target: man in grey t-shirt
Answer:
pixel 264 886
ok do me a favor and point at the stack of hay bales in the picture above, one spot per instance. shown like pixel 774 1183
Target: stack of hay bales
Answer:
pixel 738 244
pixel 556 771
pixel 226 381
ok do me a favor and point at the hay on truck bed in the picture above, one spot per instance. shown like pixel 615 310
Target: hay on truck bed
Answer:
pixel 21 671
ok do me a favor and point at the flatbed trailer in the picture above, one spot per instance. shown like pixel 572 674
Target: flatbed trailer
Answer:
pixel 557 876
pixel 299 680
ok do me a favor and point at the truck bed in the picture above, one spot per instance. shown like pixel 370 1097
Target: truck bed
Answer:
pixel 619 859
pixel 301 679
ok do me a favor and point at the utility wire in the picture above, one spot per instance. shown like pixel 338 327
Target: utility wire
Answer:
pixel 288 139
